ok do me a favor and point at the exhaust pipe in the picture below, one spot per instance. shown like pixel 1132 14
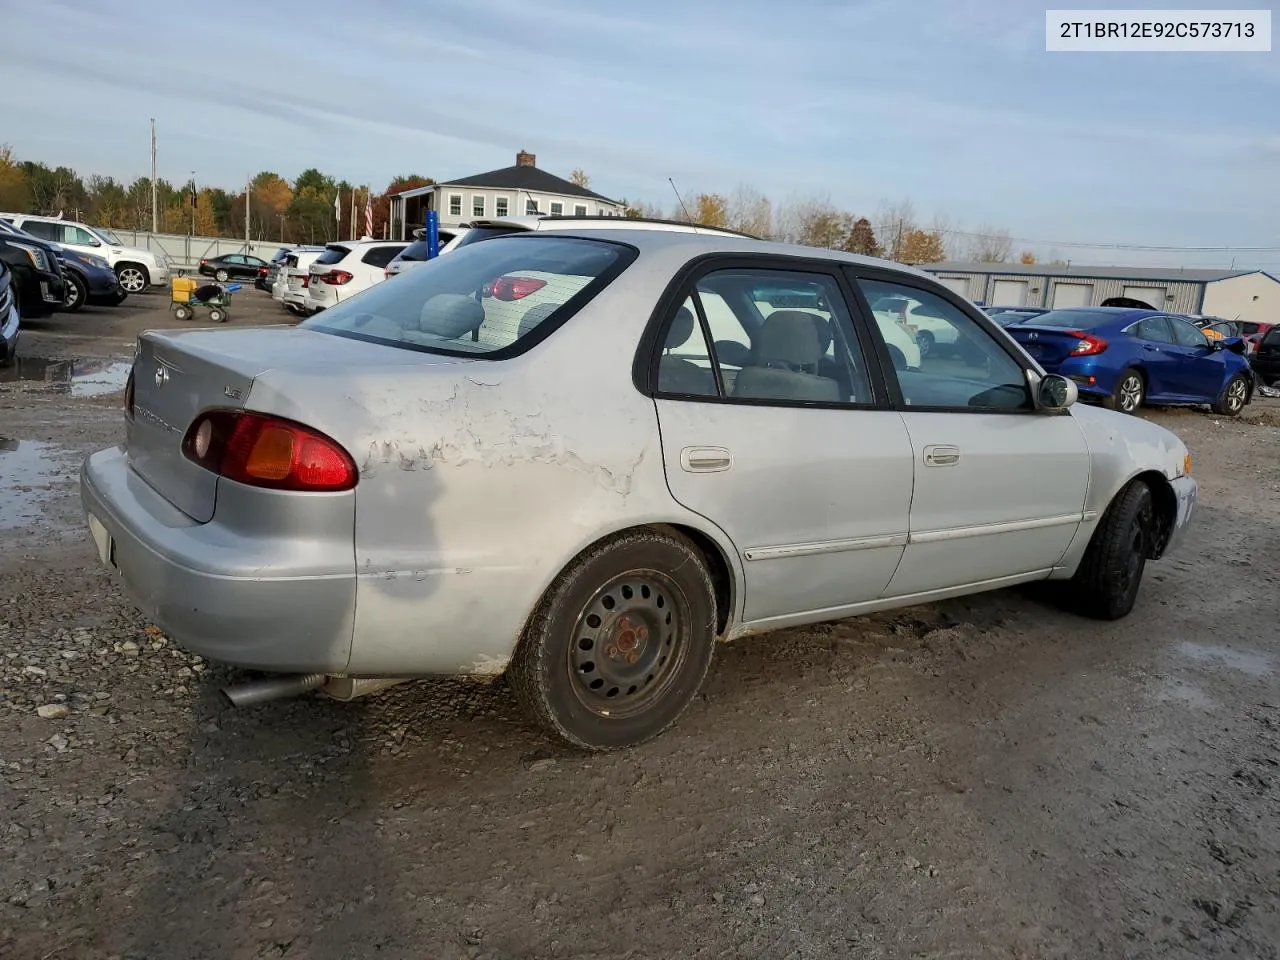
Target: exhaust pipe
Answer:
pixel 274 688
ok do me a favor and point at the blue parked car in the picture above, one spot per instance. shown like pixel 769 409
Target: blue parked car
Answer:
pixel 1126 357
pixel 90 279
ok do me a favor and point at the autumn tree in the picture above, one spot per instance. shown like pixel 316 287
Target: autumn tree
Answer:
pixel 711 210
pixel 641 209
pixel 894 221
pixel 861 238
pixel 13 181
pixel 921 246
pixel 811 221
pixel 579 178
pixel 1026 257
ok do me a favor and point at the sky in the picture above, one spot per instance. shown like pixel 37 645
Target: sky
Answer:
pixel 954 105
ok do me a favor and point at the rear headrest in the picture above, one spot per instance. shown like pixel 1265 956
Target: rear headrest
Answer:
pixel 681 328
pixel 450 315
pixel 789 339
pixel 535 315
pixel 824 331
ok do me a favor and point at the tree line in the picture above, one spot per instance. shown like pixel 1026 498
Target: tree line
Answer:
pixel 303 211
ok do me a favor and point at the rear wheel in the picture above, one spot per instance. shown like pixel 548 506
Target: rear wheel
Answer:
pixel 221 276
pixel 1129 393
pixel 217 316
pixel 924 340
pixel 77 292
pixel 620 643
pixel 1106 584
pixel 1233 398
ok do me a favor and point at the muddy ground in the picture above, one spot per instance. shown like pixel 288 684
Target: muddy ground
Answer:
pixel 985 778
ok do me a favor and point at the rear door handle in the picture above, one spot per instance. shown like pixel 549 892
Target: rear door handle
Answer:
pixel 705 459
pixel 941 455
pixel 1148 346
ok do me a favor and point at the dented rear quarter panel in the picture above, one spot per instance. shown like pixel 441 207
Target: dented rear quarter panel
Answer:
pixel 481 480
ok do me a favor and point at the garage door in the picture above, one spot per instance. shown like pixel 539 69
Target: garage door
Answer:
pixel 958 285
pixel 1151 295
pixel 1009 293
pixel 1072 294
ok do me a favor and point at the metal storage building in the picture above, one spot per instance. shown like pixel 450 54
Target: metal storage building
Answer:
pixel 1252 295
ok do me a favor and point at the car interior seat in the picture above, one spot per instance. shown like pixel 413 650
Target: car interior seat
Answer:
pixel 676 374
pixel 788 353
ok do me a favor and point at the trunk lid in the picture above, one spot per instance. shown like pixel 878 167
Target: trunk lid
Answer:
pixel 179 374
pixel 1049 346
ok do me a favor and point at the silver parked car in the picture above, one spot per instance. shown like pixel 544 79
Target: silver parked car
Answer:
pixel 581 458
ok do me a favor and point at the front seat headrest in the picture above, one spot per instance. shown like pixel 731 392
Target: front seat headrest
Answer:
pixel 450 315
pixel 789 340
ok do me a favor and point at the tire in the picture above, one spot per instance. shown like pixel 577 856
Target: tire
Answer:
pixel 133 278
pixel 183 312
pixel 77 293
pixel 217 316
pixel 1233 397
pixel 221 276
pixel 620 643
pixel 1106 584
pixel 1130 392
pixel 925 341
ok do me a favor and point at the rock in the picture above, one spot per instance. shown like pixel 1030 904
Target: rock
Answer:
pixel 756 900
pixel 35 671
pixel 129 648
pixel 58 742
pixel 751 888
pixel 53 711
pixel 546 763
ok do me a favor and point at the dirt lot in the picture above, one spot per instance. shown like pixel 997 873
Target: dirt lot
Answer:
pixel 985 778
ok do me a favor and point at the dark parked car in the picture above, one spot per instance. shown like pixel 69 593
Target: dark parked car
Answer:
pixel 1125 357
pixel 90 278
pixel 1266 361
pixel 36 274
pixel 233 266
pixel 8 316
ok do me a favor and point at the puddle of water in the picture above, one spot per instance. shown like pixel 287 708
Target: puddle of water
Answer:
pixel 30 473
pixel 1253 664
pixel 79 378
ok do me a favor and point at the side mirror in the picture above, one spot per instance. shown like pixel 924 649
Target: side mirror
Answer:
pixel 1234 344
pixel 95 242
pixel 1056 392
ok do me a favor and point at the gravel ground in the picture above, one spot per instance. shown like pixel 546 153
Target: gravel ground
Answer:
pixel 986 778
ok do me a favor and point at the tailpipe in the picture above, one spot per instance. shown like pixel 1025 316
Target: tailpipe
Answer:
pixel 273 688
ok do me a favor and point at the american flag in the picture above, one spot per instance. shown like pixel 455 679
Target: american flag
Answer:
pixel 368 212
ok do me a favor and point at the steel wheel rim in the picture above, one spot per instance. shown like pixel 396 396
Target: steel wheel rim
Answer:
pixel 628 644
pixel 1235 396
pixel 131 279
pixel 221 276
pixel 1130 394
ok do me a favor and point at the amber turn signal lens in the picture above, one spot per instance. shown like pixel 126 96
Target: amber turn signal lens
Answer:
pixel 1186 465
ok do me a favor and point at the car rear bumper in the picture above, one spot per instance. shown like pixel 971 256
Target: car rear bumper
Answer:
pixel 245 600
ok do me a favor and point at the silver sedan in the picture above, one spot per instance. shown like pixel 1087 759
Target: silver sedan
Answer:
pixel 582 458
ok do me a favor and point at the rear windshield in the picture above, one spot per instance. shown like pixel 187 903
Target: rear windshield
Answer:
pixel 1074 319
pixel 415 251
pixel 476 234
pixel 482 299
pixel 332 255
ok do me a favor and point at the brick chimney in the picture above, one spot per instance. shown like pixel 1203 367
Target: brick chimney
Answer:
pixel 526 159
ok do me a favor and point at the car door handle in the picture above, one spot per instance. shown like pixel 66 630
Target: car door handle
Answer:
pixel 941 455
pixel 1153 349
pixel 705 459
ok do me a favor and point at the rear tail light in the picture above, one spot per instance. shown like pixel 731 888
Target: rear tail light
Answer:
pixel 1088 346
pixel 262 271
pixel 265 451
pixel 513 288
pixel 336 277
pixel 203 261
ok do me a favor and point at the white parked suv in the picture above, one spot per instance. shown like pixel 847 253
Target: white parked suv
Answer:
pixel 344 269
pixel 416 252
pixel 136 268
pixel 293 276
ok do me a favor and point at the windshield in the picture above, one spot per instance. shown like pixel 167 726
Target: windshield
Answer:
pixel 111 238
pixel 481 299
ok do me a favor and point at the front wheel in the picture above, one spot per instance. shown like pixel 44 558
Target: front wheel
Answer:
pixel 77 293
pixel 183 312
pixel 221 276
pixel 132 279
pixel 1234 396
pixel 620 643
pixel 1106 584
pixel 924 340
pixel 1129 392
pixel 217 316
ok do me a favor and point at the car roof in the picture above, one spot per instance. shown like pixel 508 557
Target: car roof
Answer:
pixel 694 243
pixel 548 221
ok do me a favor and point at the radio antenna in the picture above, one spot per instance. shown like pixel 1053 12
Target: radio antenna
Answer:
pixel 534 202
pixel 687 214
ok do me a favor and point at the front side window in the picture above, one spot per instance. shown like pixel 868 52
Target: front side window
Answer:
pixel 1186 335
pixel 455 204
pixel 500 207
pixel 481 299
pixel 776 335
pixel 961 364
pixel 79 236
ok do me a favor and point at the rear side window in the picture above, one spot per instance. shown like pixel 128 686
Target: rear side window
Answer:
pixel 43 229
pixel 1185 335
pixel 333 255
pixel 379 256
pixel 1273 337
pixel 483 299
